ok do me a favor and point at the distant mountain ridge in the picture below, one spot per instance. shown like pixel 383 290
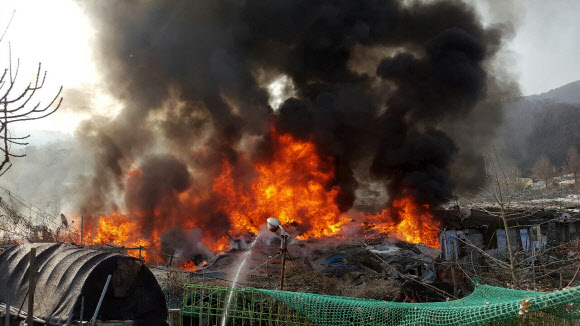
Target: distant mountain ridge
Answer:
pixel 542 124
pixel 569 93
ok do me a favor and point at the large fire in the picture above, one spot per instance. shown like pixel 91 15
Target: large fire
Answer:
pixel 118 229
pixel 293 185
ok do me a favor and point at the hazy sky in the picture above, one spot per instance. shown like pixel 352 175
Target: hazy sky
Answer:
pixel 547 44
pixel 544 53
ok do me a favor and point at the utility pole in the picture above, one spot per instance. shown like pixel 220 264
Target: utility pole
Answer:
pixel 31 286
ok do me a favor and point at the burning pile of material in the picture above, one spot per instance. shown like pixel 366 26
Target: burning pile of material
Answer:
pixel 234 112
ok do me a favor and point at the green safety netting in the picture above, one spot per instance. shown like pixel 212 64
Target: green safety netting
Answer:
pixel 486 305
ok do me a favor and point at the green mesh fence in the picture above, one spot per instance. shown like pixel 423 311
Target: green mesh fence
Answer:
pixel 206 305
pixel 487 305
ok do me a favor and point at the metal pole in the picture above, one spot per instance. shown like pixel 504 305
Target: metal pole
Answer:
pixel 31 286
pixel 82 309
pixel 94 319
pixel 534 263
pixel 268 271
pixel 284 243
pixel 70 316
pixel 7 315
pixel 82 229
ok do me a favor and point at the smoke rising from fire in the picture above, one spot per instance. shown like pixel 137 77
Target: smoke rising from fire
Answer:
pixel 376 82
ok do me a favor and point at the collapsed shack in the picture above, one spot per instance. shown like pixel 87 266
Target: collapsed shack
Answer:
pixel 67 272
pixel 544 245
pixel 486 231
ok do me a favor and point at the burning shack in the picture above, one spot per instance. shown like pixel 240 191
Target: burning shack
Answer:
pixel 71 278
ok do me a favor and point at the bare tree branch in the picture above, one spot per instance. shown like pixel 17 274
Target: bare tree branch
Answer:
pixel 7 26
pixel 15 107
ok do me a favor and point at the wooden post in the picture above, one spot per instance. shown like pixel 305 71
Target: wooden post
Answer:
pixel 174 317
pixel 140 257
pixel 171 259
pixel 453 278
pixel 31 286
pixel 285 240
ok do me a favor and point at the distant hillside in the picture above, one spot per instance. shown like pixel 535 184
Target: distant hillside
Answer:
pixel 547 123
pixel 569 93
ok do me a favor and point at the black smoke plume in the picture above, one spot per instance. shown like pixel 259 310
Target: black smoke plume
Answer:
pixel 374 81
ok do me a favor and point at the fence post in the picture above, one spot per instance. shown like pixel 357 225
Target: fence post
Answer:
pixel 285 241
pixel 31 286
pixel 171 259
pixel 453 277
pixel 174 317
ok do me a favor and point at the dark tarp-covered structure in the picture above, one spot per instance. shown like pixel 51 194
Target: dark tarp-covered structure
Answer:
pixel 67 272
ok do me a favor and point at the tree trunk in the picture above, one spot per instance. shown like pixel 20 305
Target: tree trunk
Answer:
pixel 509 245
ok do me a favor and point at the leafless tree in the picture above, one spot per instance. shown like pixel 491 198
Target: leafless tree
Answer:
pixel 502 192
pixel 18 104
pixel 543 169
pixel 573 164
pixel 507 204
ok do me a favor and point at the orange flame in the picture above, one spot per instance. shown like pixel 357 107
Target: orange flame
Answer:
pixel 188 266
pixel 415 224
pixel 217 246
pixel 120 230
pixel 292 187
pixel 295 186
